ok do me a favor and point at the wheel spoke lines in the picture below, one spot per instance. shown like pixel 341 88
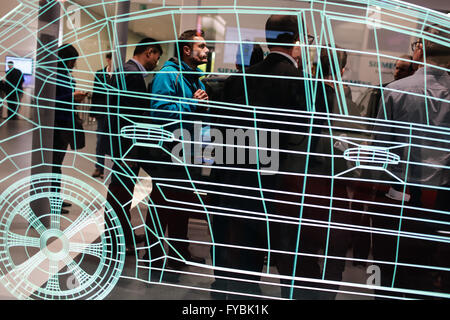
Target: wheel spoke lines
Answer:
pixel 33 220
pixel 53 282
pixel 88 216
pixel 22 272
pixel 93 249
pixel 81 223
pixel 58 257
pixel 55 206
pixel 18 240
pixel 81 276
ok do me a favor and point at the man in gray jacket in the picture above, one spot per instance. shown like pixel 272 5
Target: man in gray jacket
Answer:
pixel 419 112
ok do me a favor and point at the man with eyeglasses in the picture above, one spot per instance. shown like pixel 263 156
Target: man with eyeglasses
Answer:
pixel 297 52
pixel 423 99
pixel 417 44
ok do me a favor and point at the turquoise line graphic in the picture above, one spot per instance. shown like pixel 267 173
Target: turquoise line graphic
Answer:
pixel 352 162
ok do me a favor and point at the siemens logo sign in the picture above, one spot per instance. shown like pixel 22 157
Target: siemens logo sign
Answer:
pixel 384 65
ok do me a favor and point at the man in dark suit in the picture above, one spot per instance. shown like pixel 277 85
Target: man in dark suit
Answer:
pixel 275 83
pixel 66 100
pixel 99 101
pixel 13 85
pixel 128 101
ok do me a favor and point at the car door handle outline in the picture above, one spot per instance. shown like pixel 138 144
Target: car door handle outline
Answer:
pixel 369 155
pixel 147 135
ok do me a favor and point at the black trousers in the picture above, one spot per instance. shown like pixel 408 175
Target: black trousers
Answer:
pixel 164 215
pixel 303 241
pixel 359 193
pixel 391 248
pixel 120 195
pixel 61 141
pixel 441 279
pixel 13 99
pixel 174 218
pixel 239 240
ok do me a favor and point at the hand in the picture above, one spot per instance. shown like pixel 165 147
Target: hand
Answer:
pixel 201 95
pixel 79 96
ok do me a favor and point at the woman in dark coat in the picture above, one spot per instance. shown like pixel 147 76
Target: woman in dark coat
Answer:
pixel 65 107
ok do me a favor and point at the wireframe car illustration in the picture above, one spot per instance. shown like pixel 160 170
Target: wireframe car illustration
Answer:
pixel 322 196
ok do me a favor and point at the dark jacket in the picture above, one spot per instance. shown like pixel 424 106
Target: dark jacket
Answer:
pixel 102 82
pixel 65 110
pixel 128 103
pixel 14 80
pixel 214 86
pixel 64 103
pixel 271 84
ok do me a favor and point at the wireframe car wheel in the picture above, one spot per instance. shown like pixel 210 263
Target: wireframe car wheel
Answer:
pixel 56 256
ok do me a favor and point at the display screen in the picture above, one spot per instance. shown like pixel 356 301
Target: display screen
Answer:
pixel 23 64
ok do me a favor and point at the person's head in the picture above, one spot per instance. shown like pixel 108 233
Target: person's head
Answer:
pixel 281 31
pixel 148 52
pixel 67 56
pixel 328 63
pixel 403 68
pixel 108 58
pixel 257 54
pixel 192 48
pixel 252 54
pixel 434 52
pixel 10 65
pixel 282 34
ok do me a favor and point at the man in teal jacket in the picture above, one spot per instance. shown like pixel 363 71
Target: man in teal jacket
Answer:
pixel 178 99
pixel 177 93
